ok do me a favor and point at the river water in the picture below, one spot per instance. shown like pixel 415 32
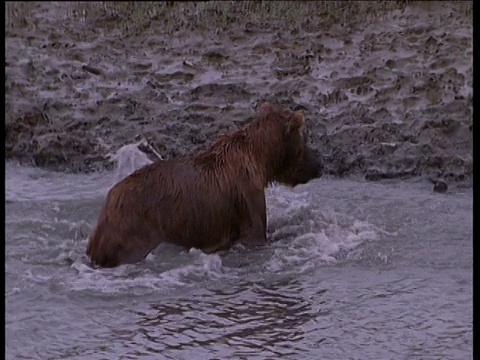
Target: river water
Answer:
pixel 356 270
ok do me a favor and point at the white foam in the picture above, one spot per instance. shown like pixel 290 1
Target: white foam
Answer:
pixel 330 244
pixel 306 236
pixel 151 278
pixel 128 159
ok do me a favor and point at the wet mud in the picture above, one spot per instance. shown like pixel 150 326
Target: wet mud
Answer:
pixel 390 97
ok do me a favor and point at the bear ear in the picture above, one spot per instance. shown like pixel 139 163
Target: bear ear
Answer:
pixel 297 121
pixel 266 107
pixel 239 135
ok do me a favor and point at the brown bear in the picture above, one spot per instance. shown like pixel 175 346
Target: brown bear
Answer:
pixel 209 200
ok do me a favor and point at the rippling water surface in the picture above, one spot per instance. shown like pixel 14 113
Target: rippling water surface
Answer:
pixel 356 270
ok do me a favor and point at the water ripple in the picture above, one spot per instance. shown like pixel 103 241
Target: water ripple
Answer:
pixel 354 270
pixel 259 321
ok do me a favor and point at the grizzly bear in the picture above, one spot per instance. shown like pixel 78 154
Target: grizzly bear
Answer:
pixel 209 200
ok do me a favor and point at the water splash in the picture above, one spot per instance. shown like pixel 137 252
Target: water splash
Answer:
pixel 306 236
pixel 149 276
pixel 128 159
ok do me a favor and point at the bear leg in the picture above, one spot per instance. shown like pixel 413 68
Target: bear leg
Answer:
pixel 254 230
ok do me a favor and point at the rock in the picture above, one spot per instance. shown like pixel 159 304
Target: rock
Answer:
pixel 440 186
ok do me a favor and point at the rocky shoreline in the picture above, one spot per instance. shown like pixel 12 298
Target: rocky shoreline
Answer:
pixel 387 98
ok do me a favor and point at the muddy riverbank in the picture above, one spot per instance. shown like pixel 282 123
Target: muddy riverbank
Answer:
pixel 387 97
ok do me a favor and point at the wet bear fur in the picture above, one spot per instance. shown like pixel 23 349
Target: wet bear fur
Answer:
pixel 208 200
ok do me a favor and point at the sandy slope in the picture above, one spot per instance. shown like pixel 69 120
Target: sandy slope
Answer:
pixel 386 98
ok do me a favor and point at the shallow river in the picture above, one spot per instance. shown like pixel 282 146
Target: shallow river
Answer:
pixel 356 270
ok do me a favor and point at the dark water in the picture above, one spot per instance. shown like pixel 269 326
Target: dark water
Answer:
pixel 357 270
